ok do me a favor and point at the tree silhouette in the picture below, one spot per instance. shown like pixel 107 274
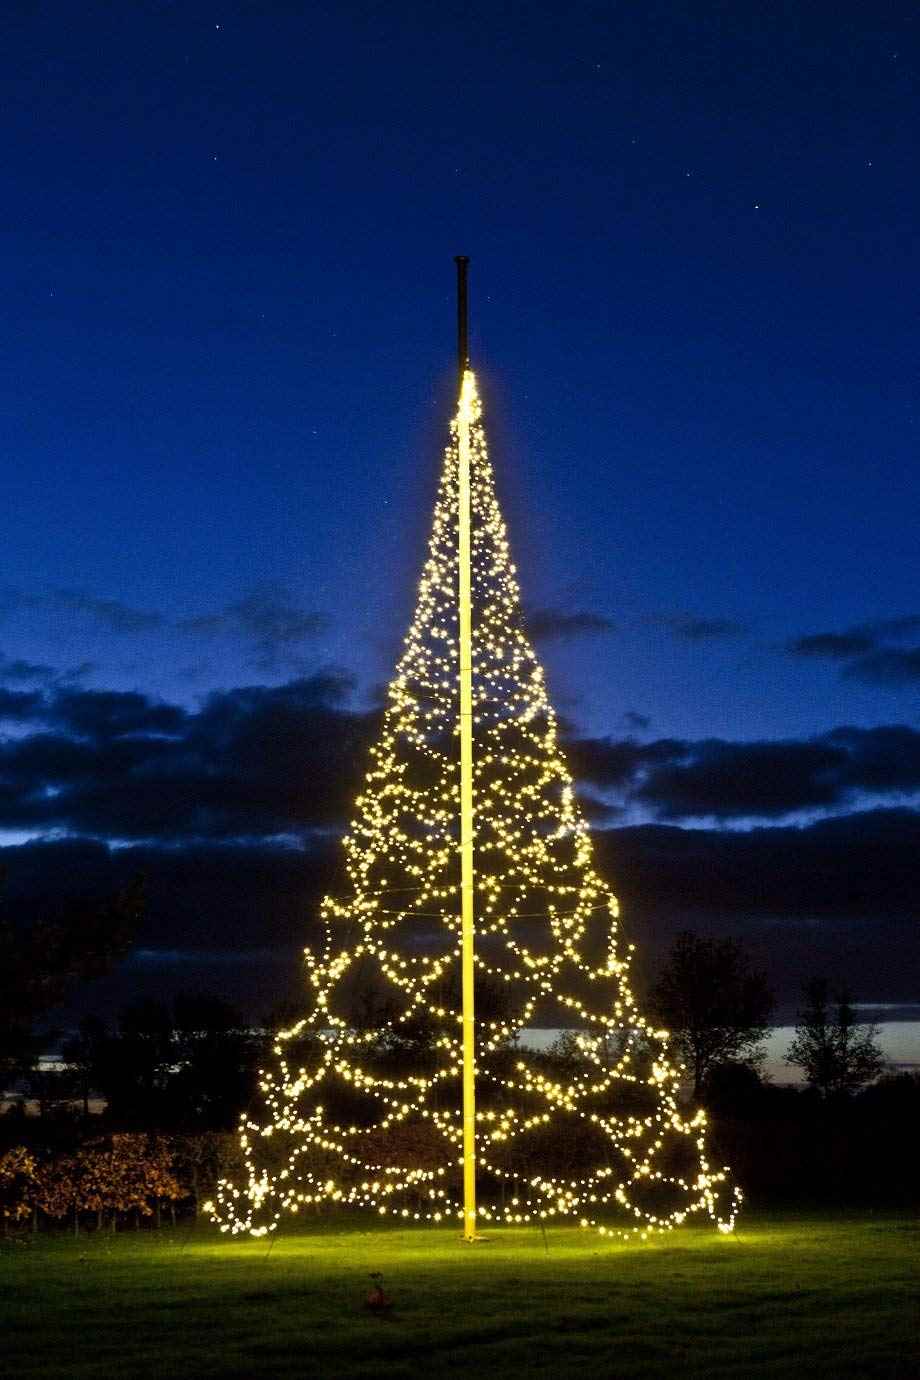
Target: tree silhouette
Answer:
pixel 836 1052
pixel 715 1003
pixel 46 952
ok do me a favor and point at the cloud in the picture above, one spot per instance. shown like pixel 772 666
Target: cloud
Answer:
pixel 836 898
pixel 836 646
pixel 740 780
pixel 233 917
pixel 107 714
pixel 234 812
pixel 14 669
pixel 689 629
pixel 885 759
pixel 269 619
pixel 639 722
pixel 612 763
pixel 216 958
pixel 718 778
pixel 891 666
pixel 281 761
pixel 20 706
pixel 111 614
pixel 84 668
pixel 595 809
pixel 548 625
pixel 864 651
pixel 865 864
pixel 253 762
pixel 769 779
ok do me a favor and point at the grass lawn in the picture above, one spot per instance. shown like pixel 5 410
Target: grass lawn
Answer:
pixel 784 1296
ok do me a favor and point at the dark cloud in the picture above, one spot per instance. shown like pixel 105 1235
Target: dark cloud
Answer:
pixel 892 666
pixel 221 917
pixel 639 722
pixel 14 670
pixel 836 898
pixel 836 646
pixel 202 897
pixel 253 762
pixel 234 813
pixel 731 780
pixel 597 810
pixel 856 640
pixel 20 706
pixel 613 763
pixel 111 614
pixel 769 779
pixel 882 760
pixel 110 714
pixel 605 762
pixel 747 780
pixel 262 761
pixel 269 620
pixel 864 652
pixel 865 864
pixel 84 668
pixel 547 625
pixel 836 895
pixel 690 629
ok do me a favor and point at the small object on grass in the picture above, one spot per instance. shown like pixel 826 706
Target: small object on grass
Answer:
pixel 377 1301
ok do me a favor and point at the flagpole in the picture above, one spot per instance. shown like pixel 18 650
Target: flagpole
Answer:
pixel 464 418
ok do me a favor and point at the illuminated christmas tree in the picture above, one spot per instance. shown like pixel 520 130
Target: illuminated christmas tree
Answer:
pixel 470 873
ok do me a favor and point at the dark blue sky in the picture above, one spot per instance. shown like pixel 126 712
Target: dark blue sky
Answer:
pixel 227 269
pixel 228 285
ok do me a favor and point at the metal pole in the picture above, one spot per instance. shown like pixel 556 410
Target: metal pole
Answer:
pixel 463 334
pixel 464 418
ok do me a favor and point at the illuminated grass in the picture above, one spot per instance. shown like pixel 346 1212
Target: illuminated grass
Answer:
pixel 783 1297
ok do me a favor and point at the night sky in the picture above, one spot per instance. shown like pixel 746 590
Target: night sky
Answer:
pixel 227 280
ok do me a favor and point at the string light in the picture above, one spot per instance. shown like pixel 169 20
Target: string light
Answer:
pixel 539 906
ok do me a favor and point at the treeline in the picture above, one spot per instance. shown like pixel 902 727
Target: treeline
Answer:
pixel 191 1065
pixel 786 1147
pixel 846 1136
pixel 793 1146
pixel 103 1182
pixel 139 1118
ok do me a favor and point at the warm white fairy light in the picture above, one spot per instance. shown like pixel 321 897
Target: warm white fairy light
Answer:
pixel 535 876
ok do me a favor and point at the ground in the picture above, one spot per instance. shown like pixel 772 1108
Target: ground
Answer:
pixel 784 1296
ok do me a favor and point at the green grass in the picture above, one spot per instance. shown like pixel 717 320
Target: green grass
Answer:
pixel 784 1296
